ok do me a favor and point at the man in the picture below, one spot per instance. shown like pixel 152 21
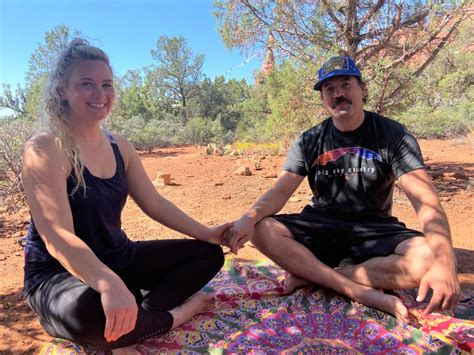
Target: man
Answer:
pixel 352 160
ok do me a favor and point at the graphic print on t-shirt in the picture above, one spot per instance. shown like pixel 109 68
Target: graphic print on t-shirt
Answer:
pixel 344 178
pixel 335 154
pixel 327 163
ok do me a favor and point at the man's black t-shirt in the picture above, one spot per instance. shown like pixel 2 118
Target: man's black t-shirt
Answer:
pixel 354 172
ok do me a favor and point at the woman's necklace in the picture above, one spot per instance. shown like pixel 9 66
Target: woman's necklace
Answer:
pixel 84 145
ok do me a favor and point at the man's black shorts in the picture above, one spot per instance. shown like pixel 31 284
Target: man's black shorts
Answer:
pixel 332 238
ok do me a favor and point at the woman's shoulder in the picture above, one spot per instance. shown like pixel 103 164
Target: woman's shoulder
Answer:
pixel 42 148
pixel 43 141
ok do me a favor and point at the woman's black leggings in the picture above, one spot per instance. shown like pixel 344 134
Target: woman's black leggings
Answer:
pixel 171 270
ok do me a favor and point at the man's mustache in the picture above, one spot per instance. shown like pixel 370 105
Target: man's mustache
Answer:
pixel 340 100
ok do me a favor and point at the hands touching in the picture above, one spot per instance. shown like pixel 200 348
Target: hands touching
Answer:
pixel 233 234
pixel 120 309
pixel 240 233
pixel 219 234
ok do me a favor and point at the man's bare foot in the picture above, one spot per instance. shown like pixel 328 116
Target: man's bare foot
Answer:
pixel 198 303
pixel 384 302
pixel 293 282
pixel 126 351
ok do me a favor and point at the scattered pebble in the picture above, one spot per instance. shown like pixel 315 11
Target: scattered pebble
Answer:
pixel 243 170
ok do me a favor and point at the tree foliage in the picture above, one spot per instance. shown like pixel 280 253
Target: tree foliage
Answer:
pixel 25 101
pixel 15 101
pixel 382 35
pixel 55 42
pixel 441 101
pixel 177 69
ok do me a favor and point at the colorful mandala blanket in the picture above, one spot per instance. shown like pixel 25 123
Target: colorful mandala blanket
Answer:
pixel 253 315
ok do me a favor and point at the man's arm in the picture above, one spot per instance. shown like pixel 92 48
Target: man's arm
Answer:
pixel 268 204
pixel 441 277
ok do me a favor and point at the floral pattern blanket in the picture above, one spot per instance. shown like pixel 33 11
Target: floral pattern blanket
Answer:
pixel 252 315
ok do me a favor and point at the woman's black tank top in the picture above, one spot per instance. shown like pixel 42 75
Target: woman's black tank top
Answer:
pixel 97 221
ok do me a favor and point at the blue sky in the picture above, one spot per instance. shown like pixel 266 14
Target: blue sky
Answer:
pixel 126 29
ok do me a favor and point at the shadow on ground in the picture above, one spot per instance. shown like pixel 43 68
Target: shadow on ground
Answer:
pixel 19 322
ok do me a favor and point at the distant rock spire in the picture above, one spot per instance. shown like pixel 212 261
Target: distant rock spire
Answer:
pixel 269 61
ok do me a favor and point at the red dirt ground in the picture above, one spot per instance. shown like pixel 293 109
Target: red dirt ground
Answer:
pixel 207 188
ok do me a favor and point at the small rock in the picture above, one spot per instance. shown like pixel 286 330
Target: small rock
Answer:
pixel 295 199
pixel 270 176
pixel 460 175
pixel 218 183
pixel 226 197
pixel 243 170
pixel 448 174
pixel 162 179
pixel 3 257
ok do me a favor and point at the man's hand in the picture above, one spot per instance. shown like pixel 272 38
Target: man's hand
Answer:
pixel 241 233
pixel 219 234
pixel 442 279
pixel 120 309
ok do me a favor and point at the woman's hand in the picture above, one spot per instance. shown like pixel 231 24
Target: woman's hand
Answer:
pixel 120 309
pixel 219 234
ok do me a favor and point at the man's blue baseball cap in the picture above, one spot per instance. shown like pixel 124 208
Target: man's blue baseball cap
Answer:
pixel 337 66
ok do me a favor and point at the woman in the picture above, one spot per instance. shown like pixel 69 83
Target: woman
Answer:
pixel 83 276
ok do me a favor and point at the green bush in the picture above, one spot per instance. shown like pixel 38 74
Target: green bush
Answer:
pixel 200 131
pixel 14 134
pixel 445 122
pixel 148 135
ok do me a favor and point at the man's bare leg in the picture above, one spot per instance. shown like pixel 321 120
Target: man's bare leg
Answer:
pixel 404 269
pixel 292 282
pixel 275 241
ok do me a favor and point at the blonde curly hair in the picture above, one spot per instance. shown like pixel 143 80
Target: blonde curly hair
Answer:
pixel 57 108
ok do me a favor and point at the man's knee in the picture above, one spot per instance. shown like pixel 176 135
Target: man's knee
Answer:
pixel 267 232
pixel 419 257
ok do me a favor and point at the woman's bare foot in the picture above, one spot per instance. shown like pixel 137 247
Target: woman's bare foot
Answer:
pixel 293 282
pixel 384 302
pixel 126 351
pixel 198 303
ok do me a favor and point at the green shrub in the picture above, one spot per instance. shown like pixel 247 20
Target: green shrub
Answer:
pixel 14 133
pixel 200 131
pixel 444 122
pixel 148 135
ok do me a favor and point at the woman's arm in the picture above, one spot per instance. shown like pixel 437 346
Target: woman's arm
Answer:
pixel 44 180
pixel 157 207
